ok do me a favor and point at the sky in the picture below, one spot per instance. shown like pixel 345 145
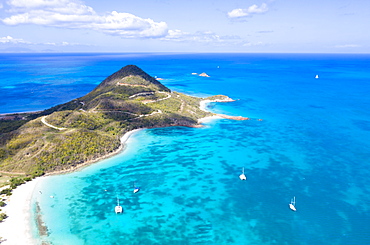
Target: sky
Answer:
pixel 242 26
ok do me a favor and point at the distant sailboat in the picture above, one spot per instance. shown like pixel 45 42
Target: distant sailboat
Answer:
pixel 118 208
pixel 242 176
pixel 136 189
pixel 317 76
pixel 292 204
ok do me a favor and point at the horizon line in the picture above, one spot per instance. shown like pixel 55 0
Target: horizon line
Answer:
pixel 168 52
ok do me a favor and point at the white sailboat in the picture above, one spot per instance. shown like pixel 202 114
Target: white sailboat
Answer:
pixel 242 176
pixel 118 208
pixel 136 189
pixel 292 204
pixel 317 76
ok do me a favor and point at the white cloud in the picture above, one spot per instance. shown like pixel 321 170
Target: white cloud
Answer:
pixel 236 13
pixel 250 44
pixel 348 46
pixel 129 25
pixel 61 44
pixel 9 39
pixel 206 37
pixel 254 9
pixel 56 6
pixel 180 36
pixel 75 15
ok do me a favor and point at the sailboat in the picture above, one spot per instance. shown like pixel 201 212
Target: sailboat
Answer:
pixel 292 204
pixel 118 208
pixel 317 76
pixel 136 189
pixel 242 176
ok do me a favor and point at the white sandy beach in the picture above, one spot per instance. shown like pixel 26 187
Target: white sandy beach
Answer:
pixel 203 106
pixel 203 103
pixel 16 229
pixel 127 135
pixel 208 119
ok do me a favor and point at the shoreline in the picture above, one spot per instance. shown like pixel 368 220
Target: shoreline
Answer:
pixel 19 113
pixel 16 228
pixel 203 106
pixel 203 103
pixel 208 119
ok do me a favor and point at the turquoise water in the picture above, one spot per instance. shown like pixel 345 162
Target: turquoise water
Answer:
pixel 312 144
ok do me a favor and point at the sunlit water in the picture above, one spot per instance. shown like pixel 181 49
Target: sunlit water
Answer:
pixel 312 144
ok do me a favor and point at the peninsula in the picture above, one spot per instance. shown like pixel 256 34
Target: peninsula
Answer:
pixel 88 128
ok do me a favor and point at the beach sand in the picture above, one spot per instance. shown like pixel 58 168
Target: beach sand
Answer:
pixel 203 103
pixel 208 119
pixel 203 107
pixel 16 229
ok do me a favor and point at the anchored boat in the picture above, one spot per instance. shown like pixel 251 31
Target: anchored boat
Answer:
pixel 118 208
pixel 242 176
pixel 292 204
pixel 136 189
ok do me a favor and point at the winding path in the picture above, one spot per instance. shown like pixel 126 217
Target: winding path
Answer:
pixel 152 101
pixel 146 115
pixel 49 125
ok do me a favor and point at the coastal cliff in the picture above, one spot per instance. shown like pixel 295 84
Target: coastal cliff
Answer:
pixel 88 128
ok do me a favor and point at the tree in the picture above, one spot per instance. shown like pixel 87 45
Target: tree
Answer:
pixel 7 191
pixel 3 216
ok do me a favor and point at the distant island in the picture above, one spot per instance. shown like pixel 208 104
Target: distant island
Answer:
pixel 203 74
pixel 86 129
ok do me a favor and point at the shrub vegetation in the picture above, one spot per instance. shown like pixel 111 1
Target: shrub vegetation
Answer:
pixel 93 124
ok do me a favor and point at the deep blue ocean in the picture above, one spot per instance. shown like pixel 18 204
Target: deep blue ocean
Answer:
pixel 313 144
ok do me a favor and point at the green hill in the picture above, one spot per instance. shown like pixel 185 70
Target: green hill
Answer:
pixel 84 129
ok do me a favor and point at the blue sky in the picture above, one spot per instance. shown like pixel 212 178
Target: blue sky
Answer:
pixel 317 26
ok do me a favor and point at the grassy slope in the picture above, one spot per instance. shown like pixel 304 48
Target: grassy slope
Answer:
pixel 94 124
